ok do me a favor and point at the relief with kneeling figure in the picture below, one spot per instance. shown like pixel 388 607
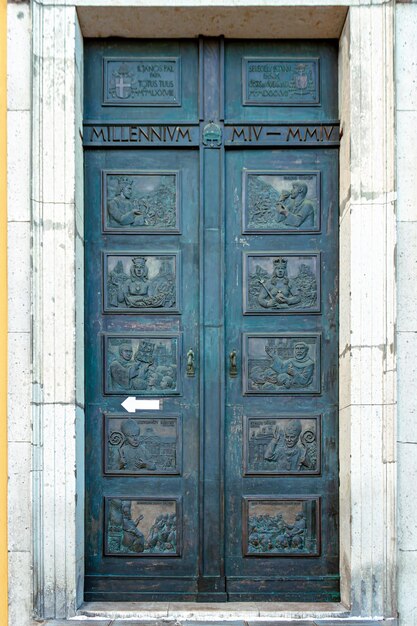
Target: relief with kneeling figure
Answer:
pixel 141 527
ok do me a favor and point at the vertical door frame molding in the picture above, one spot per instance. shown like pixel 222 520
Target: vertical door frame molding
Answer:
pixel 367 304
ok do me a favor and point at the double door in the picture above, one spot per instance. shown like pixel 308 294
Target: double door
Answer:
pixel 211 224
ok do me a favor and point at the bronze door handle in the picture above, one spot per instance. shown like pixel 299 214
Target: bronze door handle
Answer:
pixel 232 364
pixel 190 363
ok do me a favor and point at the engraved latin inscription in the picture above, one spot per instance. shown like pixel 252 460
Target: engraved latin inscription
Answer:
pixel 145 365
pixel 142 81
pixel 140 202
pixel 141 527
pixel 280 364
pixel 283 283
pixel 282 445
pixel 279 527
pixel 275 81
pixel 142 445
pixel 281 201
pixel 143 283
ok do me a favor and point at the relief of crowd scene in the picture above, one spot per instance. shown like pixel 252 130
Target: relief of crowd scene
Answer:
pixel 139 527
pixel 287 529
pixel 280 202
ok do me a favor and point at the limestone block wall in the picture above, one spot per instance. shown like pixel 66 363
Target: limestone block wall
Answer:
pixel 19 76
pixel 406 133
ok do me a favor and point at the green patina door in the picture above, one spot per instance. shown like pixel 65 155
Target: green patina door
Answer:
pixel 211 263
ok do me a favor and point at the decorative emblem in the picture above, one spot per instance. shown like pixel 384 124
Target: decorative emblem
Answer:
pixel 301 78
pixel 212 135
pixel 122 83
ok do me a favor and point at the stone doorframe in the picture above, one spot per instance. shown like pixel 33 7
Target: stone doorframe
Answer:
pixel 367 277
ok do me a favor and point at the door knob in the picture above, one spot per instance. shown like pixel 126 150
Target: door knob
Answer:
pixel 232 364
pixel 190 363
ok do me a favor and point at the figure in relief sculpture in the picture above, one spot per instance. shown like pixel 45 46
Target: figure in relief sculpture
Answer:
pixel 285 449
pixel 133 453
pixel 278 291
pixel 123 209
pixel 122 369
pixel 295 372
pixel 300 211
pixel 137 290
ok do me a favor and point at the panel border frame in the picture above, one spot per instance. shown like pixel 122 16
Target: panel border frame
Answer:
pixel 245 518
pixel 246 230
pixel 178 472
pixel 281 416
pixel 178 513
pixel 141 230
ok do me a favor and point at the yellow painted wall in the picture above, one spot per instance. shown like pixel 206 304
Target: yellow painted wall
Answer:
pixel 3 315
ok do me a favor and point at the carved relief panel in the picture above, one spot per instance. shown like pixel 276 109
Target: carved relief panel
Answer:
pixel 142 526
pixel 281 201
pixel 140 201
pixel 141 283
pixel 281 363
pixel 145 445
pixel 277 81
pixel 281 526
pixel 281 282
pixel 144 365
pixel 142 81
pixel 282 445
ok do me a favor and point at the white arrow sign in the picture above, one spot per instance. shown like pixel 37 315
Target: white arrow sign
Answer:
pixel 131 404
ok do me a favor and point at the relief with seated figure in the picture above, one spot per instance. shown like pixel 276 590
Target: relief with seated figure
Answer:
pixel 286 283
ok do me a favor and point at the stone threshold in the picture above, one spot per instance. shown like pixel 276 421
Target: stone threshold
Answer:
pixel 271 622
pixel 215 614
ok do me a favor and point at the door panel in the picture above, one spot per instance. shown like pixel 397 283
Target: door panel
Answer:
pixel 281 419
pixel 211 264
pixel 141 319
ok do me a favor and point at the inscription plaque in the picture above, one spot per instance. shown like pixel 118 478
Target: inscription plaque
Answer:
pixel 141 202
pixel 281 364
pixel 285 283
pixel 142 81
pixel 142 445
pixel 142 365
pixel 281 201
pixel 141 283
pixel 281 526
pixel 141 527
pixel 280 82
pixel 282 445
